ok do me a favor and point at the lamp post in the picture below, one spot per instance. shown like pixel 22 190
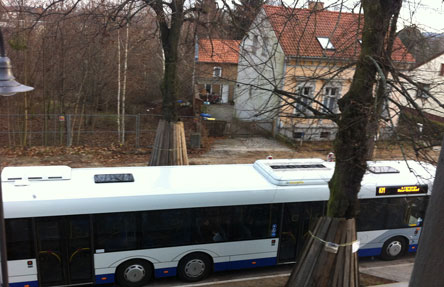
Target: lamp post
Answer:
pixel 8 87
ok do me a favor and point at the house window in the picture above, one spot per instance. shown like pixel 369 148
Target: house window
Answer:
pixel 298 135
pixel 325 43
pixel 325 135
pixel 304 95
pixel 217 72
pixel 208 88
pixel 441 72
pixel 423 90
pixel 331 99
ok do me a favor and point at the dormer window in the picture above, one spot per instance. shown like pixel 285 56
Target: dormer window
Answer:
pixel 325 43
pixel 217 72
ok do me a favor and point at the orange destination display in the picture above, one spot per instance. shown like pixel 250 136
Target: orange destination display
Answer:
pixel 396 190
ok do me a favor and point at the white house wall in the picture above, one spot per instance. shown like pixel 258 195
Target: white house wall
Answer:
pixel 260 70
pixel 429 73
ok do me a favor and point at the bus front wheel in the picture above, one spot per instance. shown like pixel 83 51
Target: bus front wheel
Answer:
pixel 394 248
pixel 194 267
pixel 134 273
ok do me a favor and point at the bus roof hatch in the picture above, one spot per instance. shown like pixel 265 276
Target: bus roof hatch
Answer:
pixel 308 171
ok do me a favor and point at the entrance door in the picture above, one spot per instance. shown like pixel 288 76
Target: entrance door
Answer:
pixel 292 225
pixel 225 90
pixel 64 250
pixel 297 219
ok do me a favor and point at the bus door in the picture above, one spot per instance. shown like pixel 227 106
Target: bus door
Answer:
pixel 290 232
pixel 296 220
pixel 64 254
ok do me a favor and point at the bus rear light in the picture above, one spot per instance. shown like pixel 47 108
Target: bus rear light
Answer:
pixel 165 272
pixel 254 262
pixel 104 278
pixel 26 285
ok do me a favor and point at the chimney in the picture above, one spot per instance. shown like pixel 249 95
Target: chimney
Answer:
pixel 315 5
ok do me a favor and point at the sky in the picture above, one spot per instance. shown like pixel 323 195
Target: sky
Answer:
pixel 428 15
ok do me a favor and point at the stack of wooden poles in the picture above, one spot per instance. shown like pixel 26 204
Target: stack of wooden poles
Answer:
pixel 170 147
pixel 319 265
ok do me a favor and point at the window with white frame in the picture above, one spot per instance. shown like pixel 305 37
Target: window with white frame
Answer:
pixel 217 72
pixel 325 43
pixel 330 101
pixel 304 95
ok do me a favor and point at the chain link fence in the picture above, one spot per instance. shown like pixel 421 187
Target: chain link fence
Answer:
pixel 77 130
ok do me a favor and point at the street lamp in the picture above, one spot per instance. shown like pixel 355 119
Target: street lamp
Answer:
pixel 8 87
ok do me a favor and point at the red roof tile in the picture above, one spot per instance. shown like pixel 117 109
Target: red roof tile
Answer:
pixel 297 30
pixel 218 51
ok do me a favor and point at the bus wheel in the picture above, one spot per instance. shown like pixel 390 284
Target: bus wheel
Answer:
pixel 194 267
pixel 393 248
pixel 134 273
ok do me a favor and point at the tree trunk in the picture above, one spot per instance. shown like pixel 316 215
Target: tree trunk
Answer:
pixel 170 144
pixel 125 70
pixel 351 143
pixel 428 268
pixel 118 85
pixel 351 148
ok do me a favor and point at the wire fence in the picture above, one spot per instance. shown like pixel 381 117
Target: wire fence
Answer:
pixel 78 130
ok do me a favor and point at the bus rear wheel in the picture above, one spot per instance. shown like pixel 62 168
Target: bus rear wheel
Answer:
pixel 134 273
pixel 394 248
pixel 194 267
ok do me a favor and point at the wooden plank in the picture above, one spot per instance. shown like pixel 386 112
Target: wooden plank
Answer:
pixel 347 261
pixel 184 145
pixel 307 247
pixel 304 273
pixel 337 275
pixel 325 262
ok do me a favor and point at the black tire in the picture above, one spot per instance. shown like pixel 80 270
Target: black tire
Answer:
pixel 194 267
pixel 134 273
pixel 394 248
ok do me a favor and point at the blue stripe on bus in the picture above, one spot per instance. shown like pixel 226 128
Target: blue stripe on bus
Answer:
pixel 413 247
pixel 165 272
pixel 241 264
pixel 22 284
pixel 369 252
pixel 105 279
pixel 222 266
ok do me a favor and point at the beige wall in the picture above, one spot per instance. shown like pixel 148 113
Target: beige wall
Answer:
pixel 319 75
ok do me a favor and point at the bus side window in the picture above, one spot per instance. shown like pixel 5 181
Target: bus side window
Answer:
pixel 19 239
pixel 115 232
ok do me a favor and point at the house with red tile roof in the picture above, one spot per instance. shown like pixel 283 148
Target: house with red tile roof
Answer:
pixel 216 69
pixel 307 51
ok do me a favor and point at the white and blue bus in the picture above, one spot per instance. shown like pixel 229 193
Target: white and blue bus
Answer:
pixel 127 225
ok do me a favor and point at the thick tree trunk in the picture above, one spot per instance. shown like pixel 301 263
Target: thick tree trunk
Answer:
pixel 357 105
pixel 351 150
pixel 428 269
pixel 170 145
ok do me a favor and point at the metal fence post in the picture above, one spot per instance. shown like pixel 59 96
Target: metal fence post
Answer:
pixel 68 130
pixel 137 130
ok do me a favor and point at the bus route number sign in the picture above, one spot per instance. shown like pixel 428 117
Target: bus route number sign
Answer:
pixel 398 190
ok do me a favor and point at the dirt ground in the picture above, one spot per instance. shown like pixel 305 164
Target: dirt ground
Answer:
pixel 221 151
